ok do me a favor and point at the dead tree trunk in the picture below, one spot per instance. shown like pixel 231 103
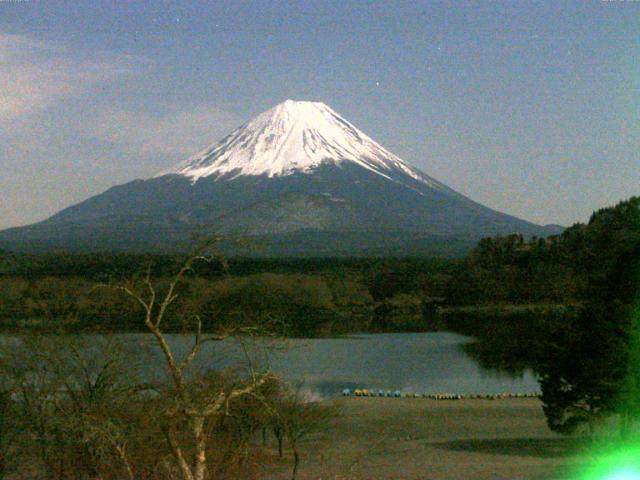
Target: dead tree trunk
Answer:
pixel 182 406
pixel 296 462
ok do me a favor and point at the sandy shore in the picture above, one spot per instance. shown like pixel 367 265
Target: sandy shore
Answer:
pixel 386 438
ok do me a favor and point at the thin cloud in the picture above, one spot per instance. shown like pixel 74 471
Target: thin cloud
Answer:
pixel 36 74
pixel 63 129
pixel 176 133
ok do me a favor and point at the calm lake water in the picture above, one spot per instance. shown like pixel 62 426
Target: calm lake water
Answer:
pixel 409 362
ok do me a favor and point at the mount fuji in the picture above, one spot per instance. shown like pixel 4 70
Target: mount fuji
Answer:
pixel 297 179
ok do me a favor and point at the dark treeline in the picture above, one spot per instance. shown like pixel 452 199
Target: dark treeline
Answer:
pixel 309 296
pixel 591 371
pixel 592 263
pixel 585 349
pixel 104 266
pixel 320 296
pixel 326 296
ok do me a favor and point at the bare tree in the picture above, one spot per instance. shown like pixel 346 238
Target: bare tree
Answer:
pixel 68 395
pixel 294 417
pixel 34 392
pixel 188 404
pixel 100 381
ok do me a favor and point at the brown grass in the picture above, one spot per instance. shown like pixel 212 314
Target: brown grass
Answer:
pixel 386 438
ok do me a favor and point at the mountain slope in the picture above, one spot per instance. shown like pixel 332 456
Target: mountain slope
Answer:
pixel 291 176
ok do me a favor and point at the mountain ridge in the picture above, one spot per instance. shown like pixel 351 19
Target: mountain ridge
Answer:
pixel 298 167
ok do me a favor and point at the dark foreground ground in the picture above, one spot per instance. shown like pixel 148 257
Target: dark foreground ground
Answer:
pixel 386 438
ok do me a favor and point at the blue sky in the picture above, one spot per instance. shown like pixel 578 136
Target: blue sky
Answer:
pixel 531 108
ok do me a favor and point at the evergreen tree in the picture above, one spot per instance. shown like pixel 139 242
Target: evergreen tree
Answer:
pixel 593 367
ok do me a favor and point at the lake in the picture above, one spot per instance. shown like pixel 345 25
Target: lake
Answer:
pixel 409 362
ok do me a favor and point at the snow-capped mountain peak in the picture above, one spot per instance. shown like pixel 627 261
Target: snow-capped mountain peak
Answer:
pixel 299 179
pixel 294 136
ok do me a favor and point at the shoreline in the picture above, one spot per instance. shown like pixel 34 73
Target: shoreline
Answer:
pixel 374 393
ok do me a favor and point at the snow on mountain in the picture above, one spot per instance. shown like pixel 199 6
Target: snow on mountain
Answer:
pixel 295 136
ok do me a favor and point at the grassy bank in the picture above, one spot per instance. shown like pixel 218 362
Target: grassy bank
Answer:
pixel 383 438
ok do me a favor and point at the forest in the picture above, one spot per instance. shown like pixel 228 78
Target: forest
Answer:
pixel 503 277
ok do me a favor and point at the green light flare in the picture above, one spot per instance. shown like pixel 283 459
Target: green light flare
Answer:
pixel 625 474
pixel 615 451
pixel 621 463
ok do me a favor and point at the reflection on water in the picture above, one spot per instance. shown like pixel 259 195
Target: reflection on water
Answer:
pixel 409 362
pixel 494 357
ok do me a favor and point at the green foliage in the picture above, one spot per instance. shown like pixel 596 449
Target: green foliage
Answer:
pixel 593 370
pixel 582 333
pixel 512 270
pixel 584 263
pixel 584 369
pixel 309 296
pixel 7 430
pixel 589 362
pixel 400 313
pixel 302 303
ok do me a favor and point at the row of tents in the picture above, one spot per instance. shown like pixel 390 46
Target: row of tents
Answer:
pixel 364 392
